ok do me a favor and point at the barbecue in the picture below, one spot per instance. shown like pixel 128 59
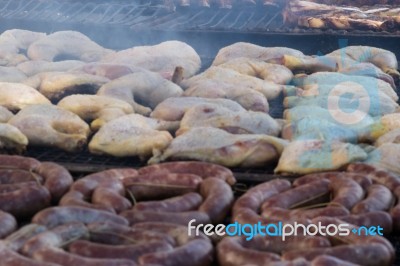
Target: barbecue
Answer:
pixel 136 132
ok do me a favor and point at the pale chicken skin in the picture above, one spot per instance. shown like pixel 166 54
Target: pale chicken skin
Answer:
pixel 132 135
pixel 13 42
pixel 55 85
pixel 392 136
pixel 5 114
pixel 218 146
pixel 309 156
pixel 249 50
pixel 174 108
pixel 231 77
pixel 144 86
pixel 257 68
pixel 15 96
pixel 71 43
pixel 242 122
pixel 162 58
pixel 97 109
pixel 11 74
pixel 34 67
pixel 12 139
pixel 51 126
pixel 386 156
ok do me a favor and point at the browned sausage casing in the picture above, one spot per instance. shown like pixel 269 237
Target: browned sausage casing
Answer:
pixel 379 198
pixel 182 218
pixel 18 162
pixel 16 240
pixel 8 224
pixel 202 169
pixel 187 202
pixel 346 192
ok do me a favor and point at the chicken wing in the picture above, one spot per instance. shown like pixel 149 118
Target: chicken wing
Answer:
pixel 11 74
pixel 309 156
pixel 173 109
pixel 392 136
pixel 162 58
pixel 243 122
pixel 98 109
pixel 5 114
pixel 51 126
pixel 15 96
pixel 132 135
pixel 386 156
pixel 218 146
pixel 145 87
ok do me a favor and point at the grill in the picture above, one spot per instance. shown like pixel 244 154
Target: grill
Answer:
pixel 118 25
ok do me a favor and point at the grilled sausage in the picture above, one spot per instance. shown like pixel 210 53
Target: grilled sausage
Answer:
pixel 25 201
pixel 379 198
pixel 218 197
pixel 131 252
pixel 361 254
pixel 326 260
pixel 11 258
pixel 54 216
pixel 187 202
pixel 301 194
pixel 57 179
pixel 8 224
pixel 16 240
pixel 60 257
pixel 15 176
pixel 115 234
pixel 13 187
pixel 230 252
pixel 160 186
pixel 363 180
pixel 18 162
pixel 383 219
pixel 111 197
pixel 304 214
pixel 203 169
pixel 198 252
pixel 346 193
pixel 182 218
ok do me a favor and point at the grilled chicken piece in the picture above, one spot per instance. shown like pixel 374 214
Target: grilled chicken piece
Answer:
pixel 242 122
pixel 386 156
pixel 11 74
pixel 218 146
pixel 56 85
pixel 145 87
pixel 162 58
pixel 98 109
pixel 392 136
pixel 15 96
pixel 235 79
pixel 11 139
pixel 257 68
pixel 329 63
pixel 13 42
pixel 51 126
pixel 132 135
pixel 34 67
pixel 309 156
pixel 385 124
pixel 108 70
pixel 357 2
pixel 382 58
pixel 5 114
pixel 174 108
pixel 336 81
pixel 70 43
pixel 249 99
pixel 382 105
pixel 242 49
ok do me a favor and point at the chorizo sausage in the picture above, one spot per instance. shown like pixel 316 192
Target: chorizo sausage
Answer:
pixel 115 234
pixel 11 258
pixel 15 176
pixel 160 186
pixel 25 201
pixel 18 162
pixel 304 214
pixel 346 193
pixel 13 187
pixel 8 224
pixel 54 216
pixel 182 218
pixel 198 252
pixel 57 179
pixel 383 219
pixel 363 180
pixel 379 198
pixel 187 202
pixel 131 252
pixel 16 240
pixel 326 260
pixel 218 199
pixel 111 197
pixel 203 169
